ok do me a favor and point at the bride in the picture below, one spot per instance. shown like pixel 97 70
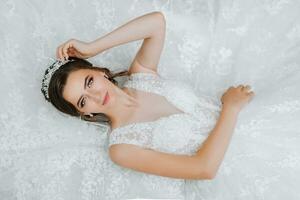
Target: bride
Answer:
pixel 160 127
pixel 77 88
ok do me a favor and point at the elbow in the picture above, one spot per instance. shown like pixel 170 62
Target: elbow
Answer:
pixel 207 175
pixel 161 18
pixel 211 172
pixel 210 175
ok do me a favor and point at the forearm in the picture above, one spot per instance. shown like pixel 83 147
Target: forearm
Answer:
pixel 215 146
pixel 139 28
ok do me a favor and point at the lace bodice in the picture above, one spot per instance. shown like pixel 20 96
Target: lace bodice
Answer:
pixel 180 133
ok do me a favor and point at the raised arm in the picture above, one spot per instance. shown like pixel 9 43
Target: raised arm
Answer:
pixel 150 27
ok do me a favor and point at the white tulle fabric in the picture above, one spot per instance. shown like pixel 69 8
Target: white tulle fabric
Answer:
pixel 210 46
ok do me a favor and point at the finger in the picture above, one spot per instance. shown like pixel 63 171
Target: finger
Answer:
pixel 70 50
pixel 246 88
pixel 250 94
pixel 240 86
pixel 71 53
pixel 65 50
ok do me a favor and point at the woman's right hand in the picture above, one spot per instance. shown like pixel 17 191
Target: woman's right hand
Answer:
pixel 237 97
pixel 74 48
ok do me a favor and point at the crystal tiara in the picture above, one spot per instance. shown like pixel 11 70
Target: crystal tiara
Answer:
pixel 48 74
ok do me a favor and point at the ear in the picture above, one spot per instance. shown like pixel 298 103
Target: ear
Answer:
pixel 89 115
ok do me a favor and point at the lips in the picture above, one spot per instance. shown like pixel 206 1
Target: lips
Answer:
pixel 105 98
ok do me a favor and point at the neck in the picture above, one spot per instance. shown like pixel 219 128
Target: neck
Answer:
pixel 125 106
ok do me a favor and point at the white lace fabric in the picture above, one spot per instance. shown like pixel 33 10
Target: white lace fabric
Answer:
pixel 249 158
pixel 179 133
pixel 210 45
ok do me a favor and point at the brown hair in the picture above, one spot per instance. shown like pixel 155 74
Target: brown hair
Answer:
pixel 59 79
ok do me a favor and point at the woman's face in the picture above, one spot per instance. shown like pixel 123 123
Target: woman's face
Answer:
pixel 86 90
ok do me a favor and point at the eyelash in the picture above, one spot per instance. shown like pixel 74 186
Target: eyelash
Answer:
pixel 89 81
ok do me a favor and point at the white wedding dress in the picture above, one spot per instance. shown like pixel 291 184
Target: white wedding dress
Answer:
pixel 259 159
pixel 180 133
pixel 210 45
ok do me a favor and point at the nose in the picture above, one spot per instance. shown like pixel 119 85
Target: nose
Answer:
pixel 95 96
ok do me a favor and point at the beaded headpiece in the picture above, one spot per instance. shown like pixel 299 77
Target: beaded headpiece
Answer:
pixel 48 74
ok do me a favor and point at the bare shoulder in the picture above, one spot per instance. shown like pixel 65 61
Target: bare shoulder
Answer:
pixel 158 163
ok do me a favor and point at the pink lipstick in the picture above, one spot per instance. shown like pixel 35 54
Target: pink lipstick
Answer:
pixel 106 99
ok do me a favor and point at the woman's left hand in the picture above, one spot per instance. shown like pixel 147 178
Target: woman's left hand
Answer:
pixel 74 48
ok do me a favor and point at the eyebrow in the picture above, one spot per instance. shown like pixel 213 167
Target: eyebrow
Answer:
pixel 84 88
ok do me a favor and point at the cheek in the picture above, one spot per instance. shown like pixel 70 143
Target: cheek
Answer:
pixel 91 106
